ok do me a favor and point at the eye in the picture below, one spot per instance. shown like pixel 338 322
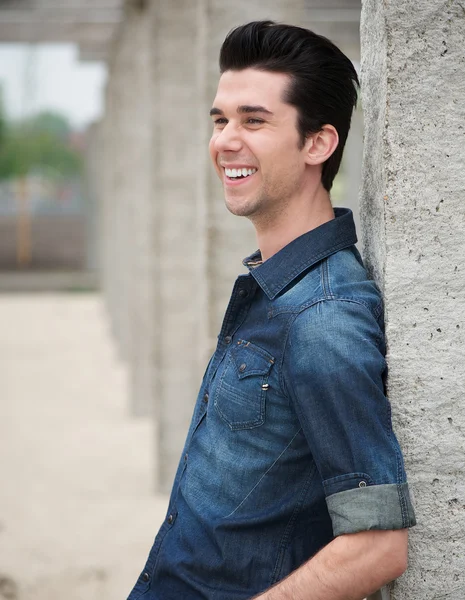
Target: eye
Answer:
pixel 219 122
pixel 254 121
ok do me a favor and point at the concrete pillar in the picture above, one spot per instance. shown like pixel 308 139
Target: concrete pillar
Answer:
pixel 91 196
pixel 115 224
pixel 107 205
pixel 181 287
pixel 130 199
pixel 120 116
pixel 351 168
pixel 412 200
pixel 135 143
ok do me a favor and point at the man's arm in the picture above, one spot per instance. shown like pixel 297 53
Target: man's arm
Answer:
pixel 350 567
pixel 333 370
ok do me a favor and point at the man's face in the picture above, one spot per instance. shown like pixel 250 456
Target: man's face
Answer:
pixel 255 143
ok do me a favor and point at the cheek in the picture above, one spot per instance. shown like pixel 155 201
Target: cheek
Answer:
pixel 213 151
pixel 212 145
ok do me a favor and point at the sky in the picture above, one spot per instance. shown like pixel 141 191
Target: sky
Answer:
pixel 50 77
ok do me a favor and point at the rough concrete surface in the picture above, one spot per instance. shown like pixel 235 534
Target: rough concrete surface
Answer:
pixel 413 67
pixel 77 512
pixel 133 170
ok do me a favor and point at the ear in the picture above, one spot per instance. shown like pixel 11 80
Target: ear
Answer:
pixel 319 146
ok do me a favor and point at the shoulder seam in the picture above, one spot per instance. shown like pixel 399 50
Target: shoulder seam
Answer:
pixel 334 298
pixel 301 310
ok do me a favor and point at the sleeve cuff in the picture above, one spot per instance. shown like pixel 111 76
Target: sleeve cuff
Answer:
pixel 386 506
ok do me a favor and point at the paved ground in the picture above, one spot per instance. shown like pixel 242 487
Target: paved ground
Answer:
pixel 77 512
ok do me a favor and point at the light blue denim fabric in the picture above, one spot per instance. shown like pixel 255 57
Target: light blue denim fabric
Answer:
pixel 291 440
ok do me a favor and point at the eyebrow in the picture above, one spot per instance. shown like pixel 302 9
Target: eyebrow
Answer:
pixel 244 109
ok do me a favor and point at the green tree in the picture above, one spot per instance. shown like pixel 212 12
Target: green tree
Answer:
pixel 50 122
pixel 38 143
pixel 2 118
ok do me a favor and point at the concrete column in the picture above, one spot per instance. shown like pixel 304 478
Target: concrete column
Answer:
pixel 140 194
pixel 107 206
pixel 92 190
pixel 130 199
pixel 351 167
pixel 121 99
pixel 412 201
pixel 181 288
pixel 115 222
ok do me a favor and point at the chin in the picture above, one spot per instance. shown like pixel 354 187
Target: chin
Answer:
pixel 239 210
pixel 244 207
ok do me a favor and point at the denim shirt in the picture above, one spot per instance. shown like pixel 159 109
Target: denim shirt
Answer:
pixel 291 442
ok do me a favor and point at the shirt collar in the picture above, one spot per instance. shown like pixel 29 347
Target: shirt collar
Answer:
pixel 302 253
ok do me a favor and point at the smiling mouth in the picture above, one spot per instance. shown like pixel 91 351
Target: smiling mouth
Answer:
pixel 238 174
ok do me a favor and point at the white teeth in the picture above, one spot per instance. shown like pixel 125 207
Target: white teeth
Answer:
pixel 239 172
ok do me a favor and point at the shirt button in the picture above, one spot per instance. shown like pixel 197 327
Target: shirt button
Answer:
pixel 362 484
pixel 170 519
pixel 185 457
pixel 228 339
pixel 243 367
pixel 146 576
pixel 205 397
pixel 243 293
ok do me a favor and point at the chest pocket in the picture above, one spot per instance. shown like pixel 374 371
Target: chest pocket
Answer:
pixel 240 397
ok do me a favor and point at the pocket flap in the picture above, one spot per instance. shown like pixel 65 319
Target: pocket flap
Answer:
pixel 249 359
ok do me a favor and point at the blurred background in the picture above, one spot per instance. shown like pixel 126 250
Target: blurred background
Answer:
pixel 116 253
pixel 48 98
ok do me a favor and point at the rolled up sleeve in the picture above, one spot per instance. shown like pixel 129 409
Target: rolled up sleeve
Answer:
pixel 334 370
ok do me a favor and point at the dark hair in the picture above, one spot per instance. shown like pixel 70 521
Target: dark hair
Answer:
pixel 323 80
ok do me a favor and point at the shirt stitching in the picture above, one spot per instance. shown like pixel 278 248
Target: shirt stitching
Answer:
pixel 287 532
pixel 264 474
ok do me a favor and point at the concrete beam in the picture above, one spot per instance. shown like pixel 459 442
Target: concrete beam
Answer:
pixel 63 32
pixel 52 21
pixel 89 53
pixel 62 15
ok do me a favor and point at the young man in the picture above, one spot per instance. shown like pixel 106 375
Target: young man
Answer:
pixel 291 484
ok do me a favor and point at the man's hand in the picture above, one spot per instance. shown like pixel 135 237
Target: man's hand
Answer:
pixel 351 567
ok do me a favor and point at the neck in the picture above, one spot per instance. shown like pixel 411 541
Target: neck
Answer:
pixel 296 218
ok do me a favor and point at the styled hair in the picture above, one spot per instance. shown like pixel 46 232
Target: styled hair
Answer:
pixel 323 85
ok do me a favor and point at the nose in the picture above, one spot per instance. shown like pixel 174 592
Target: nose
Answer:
pixel 228 139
